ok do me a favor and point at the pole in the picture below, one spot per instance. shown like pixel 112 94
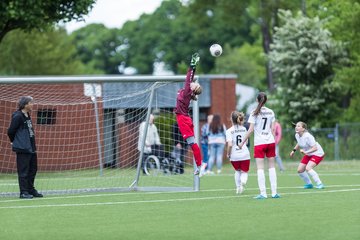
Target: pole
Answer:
pixel 93 98
pixel 196 135
pixel 336 142
pixel 138 169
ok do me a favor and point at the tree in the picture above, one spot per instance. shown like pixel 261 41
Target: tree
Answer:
pixel 304 58
pixel 99 47
pixel 176 30
pixel 247 62
pixel 165 36
pixel 39 53
pixel 254 18
pixel 219 21
pixel 344 23
pixel 39 14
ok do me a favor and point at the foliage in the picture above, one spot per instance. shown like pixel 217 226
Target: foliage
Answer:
pixel 39 53
pixel 168 35
pixel 164 124
pixel 99 47
pixel 178 31
pixel 303 57
pixel 178 28
pixel 149 39
pixel 219 21
pixel 39 14
pixel 345 24
pixel 247 62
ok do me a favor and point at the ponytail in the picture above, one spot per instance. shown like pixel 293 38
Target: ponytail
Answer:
pixel 261 98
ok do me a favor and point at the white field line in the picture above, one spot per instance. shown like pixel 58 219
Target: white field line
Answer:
pixel 14 181
pixel 8 184
pixel 154 193
pixel 167 200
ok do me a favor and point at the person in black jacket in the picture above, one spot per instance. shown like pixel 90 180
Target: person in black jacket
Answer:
pixel 180 147
pixel 22 138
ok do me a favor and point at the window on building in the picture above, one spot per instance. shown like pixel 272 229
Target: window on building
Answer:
pixel 46 116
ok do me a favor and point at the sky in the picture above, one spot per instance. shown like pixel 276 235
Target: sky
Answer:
pixel 114 13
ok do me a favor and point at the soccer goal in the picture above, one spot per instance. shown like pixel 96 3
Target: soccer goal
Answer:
pixel 87 134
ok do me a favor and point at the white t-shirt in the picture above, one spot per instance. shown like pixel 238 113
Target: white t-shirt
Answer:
pixel 262 126
pixel 307 141
pixel 235 134
pixel 152 137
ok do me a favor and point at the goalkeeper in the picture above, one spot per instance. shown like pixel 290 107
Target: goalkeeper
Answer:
pixel 189 92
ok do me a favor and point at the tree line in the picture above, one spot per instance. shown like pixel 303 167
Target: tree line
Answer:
pixel 304 53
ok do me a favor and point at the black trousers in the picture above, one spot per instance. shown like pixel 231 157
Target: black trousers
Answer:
pixel 26 167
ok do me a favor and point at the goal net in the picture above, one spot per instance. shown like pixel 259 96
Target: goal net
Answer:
pixel 87 134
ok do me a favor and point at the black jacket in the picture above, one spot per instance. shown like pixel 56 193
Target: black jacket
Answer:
pixel 21 133
pixel 176 135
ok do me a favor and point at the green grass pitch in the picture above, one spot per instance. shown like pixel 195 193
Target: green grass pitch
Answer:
pixel 215 212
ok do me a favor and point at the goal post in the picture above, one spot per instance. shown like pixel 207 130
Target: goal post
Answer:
pixel 87 133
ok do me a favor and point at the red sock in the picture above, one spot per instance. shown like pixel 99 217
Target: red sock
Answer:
pixel 197 154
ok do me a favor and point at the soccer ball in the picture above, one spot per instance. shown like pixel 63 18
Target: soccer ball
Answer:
pixel 215 50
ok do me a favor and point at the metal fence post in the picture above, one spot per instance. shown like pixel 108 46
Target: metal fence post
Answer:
pixel 336 143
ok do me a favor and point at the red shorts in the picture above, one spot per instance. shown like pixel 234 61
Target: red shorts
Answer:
pixel 186 126
pixel 316 159
pixel 241 165
pixel 268 150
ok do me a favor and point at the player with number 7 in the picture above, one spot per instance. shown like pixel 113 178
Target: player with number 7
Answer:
pixel 262 121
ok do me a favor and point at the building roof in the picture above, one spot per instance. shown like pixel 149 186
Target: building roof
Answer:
pixel 137 94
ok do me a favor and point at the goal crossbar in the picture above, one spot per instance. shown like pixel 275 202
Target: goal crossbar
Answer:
pixel 89 79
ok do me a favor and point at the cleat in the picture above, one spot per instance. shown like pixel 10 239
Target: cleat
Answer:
pixel 308 186
pixel 208 172
pixel 276 196
pixel 320 186
pixel 202 169
pixel 240 190
pixel 195 58
pixel 260 197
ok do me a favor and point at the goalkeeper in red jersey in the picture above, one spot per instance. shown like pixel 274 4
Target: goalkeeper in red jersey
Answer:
pixel 189 92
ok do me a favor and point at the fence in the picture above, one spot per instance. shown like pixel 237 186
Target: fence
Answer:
pixel 339 143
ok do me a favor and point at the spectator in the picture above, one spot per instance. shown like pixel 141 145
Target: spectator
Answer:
pixel 152 142
pixel 205 144
pixel 22 137
pixel 278 136
pixel 180 148
pixel 217 140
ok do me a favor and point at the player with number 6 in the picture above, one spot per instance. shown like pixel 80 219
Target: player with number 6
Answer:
pixel 262 121
pixel 239 157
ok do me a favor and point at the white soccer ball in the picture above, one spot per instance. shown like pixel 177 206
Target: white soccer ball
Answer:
pixel 215 50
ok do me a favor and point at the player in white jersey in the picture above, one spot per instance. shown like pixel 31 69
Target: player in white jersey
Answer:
pixel 239 157
pixel 313 155
pixel 262 121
